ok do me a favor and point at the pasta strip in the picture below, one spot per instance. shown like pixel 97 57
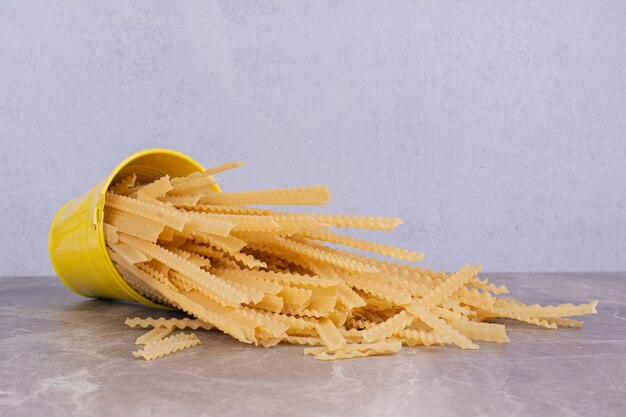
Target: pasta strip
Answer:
pixel 336 259
pixel 209 252
pixel 206 224
pixel 348 297
pixel 244 223
pixel 156 270
pixel 227 320
pixel 383 330
pixel 366 245
pixel 349 221
pixel 248 260
pixel 300 196
pixel 181 200
pixel 140 196
pixel 485 285
pixel 292 223
pixel 447 288
pixel 166 215
pixel 323 304
pixel 110 233
pixel 480 298
pixel 562 310
pixel 562 322
pixel 415 337
pixel 212 208
pixel 444 329
pixel 194 324
pixel 273 303
pixel 168 345
pixel 124 184
pixel 220 289
pixel 249 278
pixel 489 332
pixel 193 186
pixel 157 188
pixel 153 335
pixel 330 335
pixel 150 288
pixel 355 350
pixel 370 284
pixel 273 327
pixel 254 295
pixel 265 276
pixel 360 324
pixel 225 243
pixel 230 245
pixel 129 253
pixel 295 325
pixel 199 260
pixel 290 279
pixel 181 282
pixel 133 225
pixel 303 340
pixel 296 297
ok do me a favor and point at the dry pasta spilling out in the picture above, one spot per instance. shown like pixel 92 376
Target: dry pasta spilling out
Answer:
pixel 266 276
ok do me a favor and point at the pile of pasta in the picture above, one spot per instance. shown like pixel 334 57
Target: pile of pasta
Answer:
pixel 267 276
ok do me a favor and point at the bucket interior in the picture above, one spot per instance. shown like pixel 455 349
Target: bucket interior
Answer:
pixel 153 164
pixel 76 240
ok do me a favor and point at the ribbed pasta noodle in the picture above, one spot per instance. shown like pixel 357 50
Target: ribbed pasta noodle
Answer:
pixel 267 276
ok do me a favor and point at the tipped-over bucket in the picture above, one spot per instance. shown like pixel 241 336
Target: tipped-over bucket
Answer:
pixel 76 239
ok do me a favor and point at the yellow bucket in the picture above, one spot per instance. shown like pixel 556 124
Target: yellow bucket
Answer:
pixel 76 239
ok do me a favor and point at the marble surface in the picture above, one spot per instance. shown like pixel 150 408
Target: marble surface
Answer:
pixel 62 354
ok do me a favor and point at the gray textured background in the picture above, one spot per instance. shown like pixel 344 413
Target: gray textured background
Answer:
pixel 495 129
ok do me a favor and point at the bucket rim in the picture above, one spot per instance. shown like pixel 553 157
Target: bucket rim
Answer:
pixel 100 214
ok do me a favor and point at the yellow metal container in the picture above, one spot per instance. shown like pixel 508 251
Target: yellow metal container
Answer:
pixel 76 239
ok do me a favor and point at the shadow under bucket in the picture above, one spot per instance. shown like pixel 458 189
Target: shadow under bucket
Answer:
pixel 76 239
